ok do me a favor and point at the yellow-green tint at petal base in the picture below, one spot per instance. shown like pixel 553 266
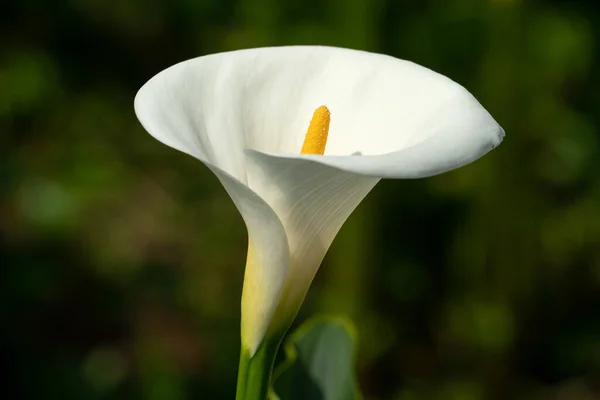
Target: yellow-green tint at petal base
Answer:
pixel 250 296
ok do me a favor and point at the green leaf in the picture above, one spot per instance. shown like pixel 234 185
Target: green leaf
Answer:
pixel 319 362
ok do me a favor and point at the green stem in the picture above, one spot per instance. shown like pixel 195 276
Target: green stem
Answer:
pixel 254 375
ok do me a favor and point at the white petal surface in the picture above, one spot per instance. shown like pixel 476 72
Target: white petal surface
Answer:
pixel 267 264
pixel 312 202
pixel 263 99
pixel 195 107
pixel 245 113
pixel 171 120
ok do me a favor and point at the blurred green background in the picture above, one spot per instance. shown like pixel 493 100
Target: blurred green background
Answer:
pixel 122 259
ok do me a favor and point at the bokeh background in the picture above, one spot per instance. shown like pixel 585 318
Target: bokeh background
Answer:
pixel 122 260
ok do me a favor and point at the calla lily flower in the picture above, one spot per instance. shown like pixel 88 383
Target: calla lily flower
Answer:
pixel 298 136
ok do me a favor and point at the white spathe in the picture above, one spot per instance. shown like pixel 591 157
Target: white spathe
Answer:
pixel 245 113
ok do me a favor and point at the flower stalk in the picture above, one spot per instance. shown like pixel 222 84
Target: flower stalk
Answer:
pixel 254 374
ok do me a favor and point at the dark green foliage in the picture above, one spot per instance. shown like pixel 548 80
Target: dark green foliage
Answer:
pixel 320 362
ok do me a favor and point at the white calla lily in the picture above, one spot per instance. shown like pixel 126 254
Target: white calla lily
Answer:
pixel 245 113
